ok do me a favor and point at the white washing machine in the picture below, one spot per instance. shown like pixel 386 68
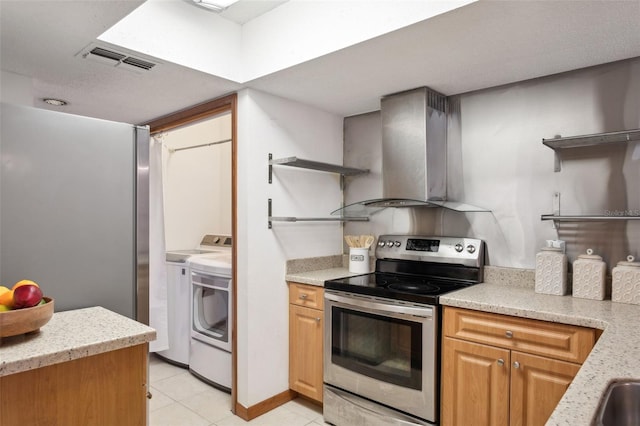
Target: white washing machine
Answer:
pixel 179 296
pixel 211 319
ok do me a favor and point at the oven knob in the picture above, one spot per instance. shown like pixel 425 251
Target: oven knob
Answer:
pixel 398 243
pixel 471 249
pixel 381 244
pixel 389 243
pixel 459 247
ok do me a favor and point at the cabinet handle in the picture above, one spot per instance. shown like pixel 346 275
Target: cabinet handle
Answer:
pixel 516 364
pixel 318 319
pixel 149 395
pixel 509 334
pixel 303 296
pixel 500 362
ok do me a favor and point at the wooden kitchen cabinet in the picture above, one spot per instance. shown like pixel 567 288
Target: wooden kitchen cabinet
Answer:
pixel 306 325
pixel 502 370
pixel 474 384
pixel 105 389
pixel 537 384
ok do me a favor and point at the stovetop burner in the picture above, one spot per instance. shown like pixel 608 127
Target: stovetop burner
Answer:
pixel 397 286
pixel 415 288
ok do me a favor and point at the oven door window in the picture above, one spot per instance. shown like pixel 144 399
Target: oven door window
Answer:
pixel 384 348
pixel 211 310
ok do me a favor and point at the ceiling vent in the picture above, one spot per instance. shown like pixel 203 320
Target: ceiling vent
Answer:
pixel 114 58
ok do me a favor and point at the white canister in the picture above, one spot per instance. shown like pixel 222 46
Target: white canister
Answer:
pixel 359 260
pixel 589 273
pixel 625 285
pixel 551 269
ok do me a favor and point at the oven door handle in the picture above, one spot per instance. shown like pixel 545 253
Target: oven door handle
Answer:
pixel 424 312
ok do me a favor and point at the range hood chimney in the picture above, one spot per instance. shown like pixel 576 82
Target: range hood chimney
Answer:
pixel 414 153
pixel 414 145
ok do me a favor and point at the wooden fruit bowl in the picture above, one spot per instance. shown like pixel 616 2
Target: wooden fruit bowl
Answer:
pixel 25 320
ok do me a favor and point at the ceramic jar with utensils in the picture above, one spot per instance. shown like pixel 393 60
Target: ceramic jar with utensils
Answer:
pixel 359 245
pixel 625 286
pixel 551 269
pixel 589 276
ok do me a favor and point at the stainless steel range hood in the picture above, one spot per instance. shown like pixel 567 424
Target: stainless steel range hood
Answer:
pixel 414 153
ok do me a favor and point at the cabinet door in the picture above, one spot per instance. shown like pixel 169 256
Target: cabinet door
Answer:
pixel 475 384
pixel 537 384
pixel 305 351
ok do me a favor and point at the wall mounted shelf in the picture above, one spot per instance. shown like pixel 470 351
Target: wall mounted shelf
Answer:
pixel 318 166
pixel 560 143
pixel 586 218
pixel 272 219
pixel 557 217
pixel 312 165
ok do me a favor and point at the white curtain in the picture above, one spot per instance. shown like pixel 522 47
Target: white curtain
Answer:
pixel 158 312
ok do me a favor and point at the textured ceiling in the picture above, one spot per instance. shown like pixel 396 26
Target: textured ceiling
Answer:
pixel 481 45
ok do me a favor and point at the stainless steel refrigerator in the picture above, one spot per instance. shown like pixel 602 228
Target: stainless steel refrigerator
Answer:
pixel 74 209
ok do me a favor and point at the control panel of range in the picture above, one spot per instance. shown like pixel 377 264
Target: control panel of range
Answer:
pixel 460 250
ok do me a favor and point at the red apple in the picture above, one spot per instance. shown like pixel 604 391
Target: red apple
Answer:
pixel 26 296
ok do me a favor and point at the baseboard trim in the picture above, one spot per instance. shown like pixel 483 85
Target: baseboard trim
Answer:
pixel 265 406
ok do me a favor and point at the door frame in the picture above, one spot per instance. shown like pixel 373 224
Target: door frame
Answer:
pixel 188 115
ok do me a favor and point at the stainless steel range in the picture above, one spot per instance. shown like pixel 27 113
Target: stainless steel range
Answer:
pixel 382 330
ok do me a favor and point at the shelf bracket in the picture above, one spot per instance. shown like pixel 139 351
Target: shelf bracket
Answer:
pixel 557 162
pixel 270 172
pixel 556 207
pixel 269 214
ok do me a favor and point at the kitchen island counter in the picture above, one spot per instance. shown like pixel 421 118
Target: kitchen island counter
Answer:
pixel 84 367
pixel 71 335
pixel 616 354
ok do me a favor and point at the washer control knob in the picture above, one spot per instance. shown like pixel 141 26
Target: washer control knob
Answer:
pixel 459 247
pixel 397 243
pixel 389 243
pixel 471 249
pixel 381 244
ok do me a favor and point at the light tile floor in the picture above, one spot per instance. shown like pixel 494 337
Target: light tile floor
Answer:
pixel 180 399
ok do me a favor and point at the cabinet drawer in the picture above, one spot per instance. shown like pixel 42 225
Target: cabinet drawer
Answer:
pixel 559 341
pixel 306 295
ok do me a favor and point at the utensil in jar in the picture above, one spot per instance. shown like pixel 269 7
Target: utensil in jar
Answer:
pixel 368 241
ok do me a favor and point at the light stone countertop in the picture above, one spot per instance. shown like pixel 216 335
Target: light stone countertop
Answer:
pixel 616 355
pixel 71 335
pixel 318 278
pixel 316 270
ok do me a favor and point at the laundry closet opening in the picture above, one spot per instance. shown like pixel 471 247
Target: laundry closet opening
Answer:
pixel 198 190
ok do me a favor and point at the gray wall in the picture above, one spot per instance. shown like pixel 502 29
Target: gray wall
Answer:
pixel 496 160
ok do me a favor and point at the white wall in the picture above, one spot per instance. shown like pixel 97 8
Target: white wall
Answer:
pixel 496 160
pixel 197 182
pixel 268 124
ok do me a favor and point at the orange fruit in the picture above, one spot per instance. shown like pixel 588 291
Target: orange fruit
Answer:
pixel 24 282
pixel 6 297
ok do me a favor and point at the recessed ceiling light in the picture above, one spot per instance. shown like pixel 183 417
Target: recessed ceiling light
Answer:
pixel 215 5
pixel 54 102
